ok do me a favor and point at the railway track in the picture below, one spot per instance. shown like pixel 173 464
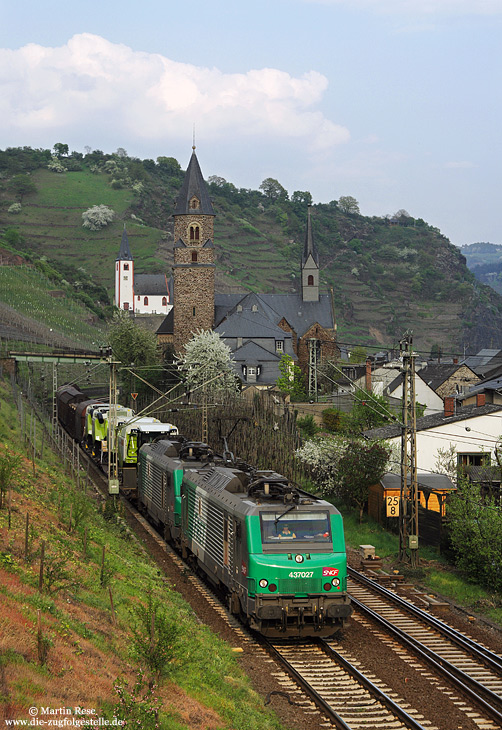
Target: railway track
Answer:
pixel 471 668
pixel 320 677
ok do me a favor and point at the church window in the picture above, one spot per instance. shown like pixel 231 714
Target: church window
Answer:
pixel 126 267
pixel 126 305
pixel 310 280
pixel 194 204
pixel 194 233
pixel 194 256
pixel 145 301
pixel 193 311
pixel 139 297
pixel 164 301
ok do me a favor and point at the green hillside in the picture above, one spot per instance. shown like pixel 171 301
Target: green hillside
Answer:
pixel 387 275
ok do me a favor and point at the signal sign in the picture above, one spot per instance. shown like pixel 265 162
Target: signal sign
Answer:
pixel 134 396
pixel 392 506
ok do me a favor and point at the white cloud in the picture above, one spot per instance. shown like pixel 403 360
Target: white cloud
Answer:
pixel 419 7
pixel 91 83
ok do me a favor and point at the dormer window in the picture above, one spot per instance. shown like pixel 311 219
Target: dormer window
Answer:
pixel 254 308
pixel 194 233
pixel 279 346
pixel 194 203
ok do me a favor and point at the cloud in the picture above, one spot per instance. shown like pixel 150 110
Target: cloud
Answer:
pixel 421 7
pixel 95 84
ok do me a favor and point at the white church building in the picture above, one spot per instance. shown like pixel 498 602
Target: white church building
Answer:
pixel 139 293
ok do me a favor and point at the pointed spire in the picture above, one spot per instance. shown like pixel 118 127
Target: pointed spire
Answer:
pixel 194 186
pixel 125 252
pixel 309 249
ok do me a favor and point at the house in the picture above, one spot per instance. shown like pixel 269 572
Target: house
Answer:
pixel 447 379
pixel 470 433
pixel 259 328
pixel 387 381
pixel 139 293
pixel 491 390
pixel 486 363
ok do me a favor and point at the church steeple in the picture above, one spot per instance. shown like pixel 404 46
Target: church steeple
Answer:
pixel 194 267
pixel 124 275
pixel 310 265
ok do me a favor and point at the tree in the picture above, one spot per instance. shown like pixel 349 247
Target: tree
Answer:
pixel 301 197
pixel 290 380
pixel 169 165
pixel 358 355
pixel 348 204
pixel 208 365
pixel 345 468
pixel 134 347
pixel 97 217
pixel 273 189
pixel 22 185
pixel 60 149
pixel 361 466
pixel 475 531
pixel 368 411
pixel 436 352
pixel 217 181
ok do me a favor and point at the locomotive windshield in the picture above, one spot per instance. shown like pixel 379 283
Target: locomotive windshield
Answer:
pixel 279 528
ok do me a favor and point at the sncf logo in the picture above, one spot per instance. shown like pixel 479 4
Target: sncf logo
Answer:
pixel 329 572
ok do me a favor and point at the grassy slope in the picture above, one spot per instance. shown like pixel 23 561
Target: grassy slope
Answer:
pixel 27 291
pixel 386 279
pixel 86 652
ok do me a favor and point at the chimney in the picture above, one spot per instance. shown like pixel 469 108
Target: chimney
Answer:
pixel 367 383
pixel 480 399
pixel 455 360
pixel 449 406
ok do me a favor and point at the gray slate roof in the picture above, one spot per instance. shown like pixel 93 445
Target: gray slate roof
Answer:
pixel 427 482
pixel 309 248
pixel 484 361
pixel 493 384
pixel 434 420
pixel 124 252
pixel 193 184
pixel 247 323
pixel 150 284
pixel 300 315
pixel 252 353
pixel 167 326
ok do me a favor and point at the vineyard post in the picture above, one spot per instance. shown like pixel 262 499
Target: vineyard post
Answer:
pixel 26 536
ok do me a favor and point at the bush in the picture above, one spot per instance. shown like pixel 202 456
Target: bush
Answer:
pixel 307 426
pixel 15 208
pixel 331 419
pixel 97 217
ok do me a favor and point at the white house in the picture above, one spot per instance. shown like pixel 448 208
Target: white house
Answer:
pixel 139 293
pixel 472 432
pixel 387 380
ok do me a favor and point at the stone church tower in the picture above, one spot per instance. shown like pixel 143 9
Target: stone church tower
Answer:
pixel 194 267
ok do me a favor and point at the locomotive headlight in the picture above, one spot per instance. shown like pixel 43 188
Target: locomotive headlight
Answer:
pixel 336 582
pixel 299 558
pixel 263 583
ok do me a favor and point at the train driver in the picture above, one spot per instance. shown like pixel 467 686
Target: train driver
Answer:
pixel 286 532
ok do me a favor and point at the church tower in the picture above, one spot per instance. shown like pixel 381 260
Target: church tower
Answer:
pixel 193 269
pixel 310 266
pixel 124 276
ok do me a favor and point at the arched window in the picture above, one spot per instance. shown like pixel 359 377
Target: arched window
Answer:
pixel 194 255
pixel 145 301
pixel 310 280
pixel 194 233
pixel 164 301
pixel 126 305
pixel 126 267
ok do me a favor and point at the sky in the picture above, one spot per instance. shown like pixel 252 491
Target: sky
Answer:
pixel 395 102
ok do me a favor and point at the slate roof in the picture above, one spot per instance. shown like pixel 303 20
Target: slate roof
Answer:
pixel 167 326
pixel 493 384
pixel 427 482
pixel 150 284
pixel 434 420
pixel 309 248
pixel 251 325
pixel 436 374
pixel 484 361
pixel 193 184
pixel 250 352
pixel 124 252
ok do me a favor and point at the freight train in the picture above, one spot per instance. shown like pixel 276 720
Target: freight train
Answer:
pixel 87 421
pixel 277 552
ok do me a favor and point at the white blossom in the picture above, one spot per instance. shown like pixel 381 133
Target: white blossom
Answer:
pixel 208 365
pixel 97 217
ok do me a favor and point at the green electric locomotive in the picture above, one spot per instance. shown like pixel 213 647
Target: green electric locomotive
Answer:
pixel 278 552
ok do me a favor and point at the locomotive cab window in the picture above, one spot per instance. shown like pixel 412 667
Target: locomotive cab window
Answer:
pixel 279 529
